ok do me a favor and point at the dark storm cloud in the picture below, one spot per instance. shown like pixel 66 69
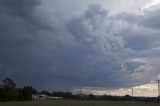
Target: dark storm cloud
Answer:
pixel 90 49
pixel 19 45
pixel 19 8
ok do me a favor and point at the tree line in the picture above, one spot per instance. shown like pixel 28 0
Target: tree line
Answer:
pixel 9 92
pixel 80 96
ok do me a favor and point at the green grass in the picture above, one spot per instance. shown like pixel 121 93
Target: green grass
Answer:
pixel 77 103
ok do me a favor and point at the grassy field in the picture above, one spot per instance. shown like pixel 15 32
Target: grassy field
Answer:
pixel 77 103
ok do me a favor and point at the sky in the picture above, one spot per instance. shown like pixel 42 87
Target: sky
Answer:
pixel 65 45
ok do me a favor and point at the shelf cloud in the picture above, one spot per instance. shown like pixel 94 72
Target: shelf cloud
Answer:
pixel 49 49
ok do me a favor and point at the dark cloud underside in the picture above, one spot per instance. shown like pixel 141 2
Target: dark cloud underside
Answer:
pixel 91 49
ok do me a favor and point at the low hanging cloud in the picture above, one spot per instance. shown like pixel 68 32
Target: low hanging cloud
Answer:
pixel 90 49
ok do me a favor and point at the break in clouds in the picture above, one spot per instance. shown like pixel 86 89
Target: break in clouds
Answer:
pixel 41 47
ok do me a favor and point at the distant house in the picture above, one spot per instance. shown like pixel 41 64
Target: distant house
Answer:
pixel 55 97
pixel 35 96
pixel 39 96
pixel 42 96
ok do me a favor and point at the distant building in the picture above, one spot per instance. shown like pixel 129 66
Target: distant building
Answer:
pixel 42 96
pixel 39 96
pixel 35 96
pixel 55 97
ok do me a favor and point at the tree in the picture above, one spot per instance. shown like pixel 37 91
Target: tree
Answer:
pixel 20 94
pixel 127 97
pixel 8 83
pixel 27 92
pixel 91 97
pixel 44 92
pixel 8 91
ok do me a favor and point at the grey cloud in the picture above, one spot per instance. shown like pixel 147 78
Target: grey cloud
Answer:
pixel 84 50
pixel 148 19
pixel 152 19
pixel 136 30
pixel 91 28
pixel 46 55
pixel 19 8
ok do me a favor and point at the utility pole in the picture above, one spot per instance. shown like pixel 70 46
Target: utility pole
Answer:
pixel 158 84
pixel 132 91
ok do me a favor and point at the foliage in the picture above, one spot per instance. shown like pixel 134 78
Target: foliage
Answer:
pixel 9 92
